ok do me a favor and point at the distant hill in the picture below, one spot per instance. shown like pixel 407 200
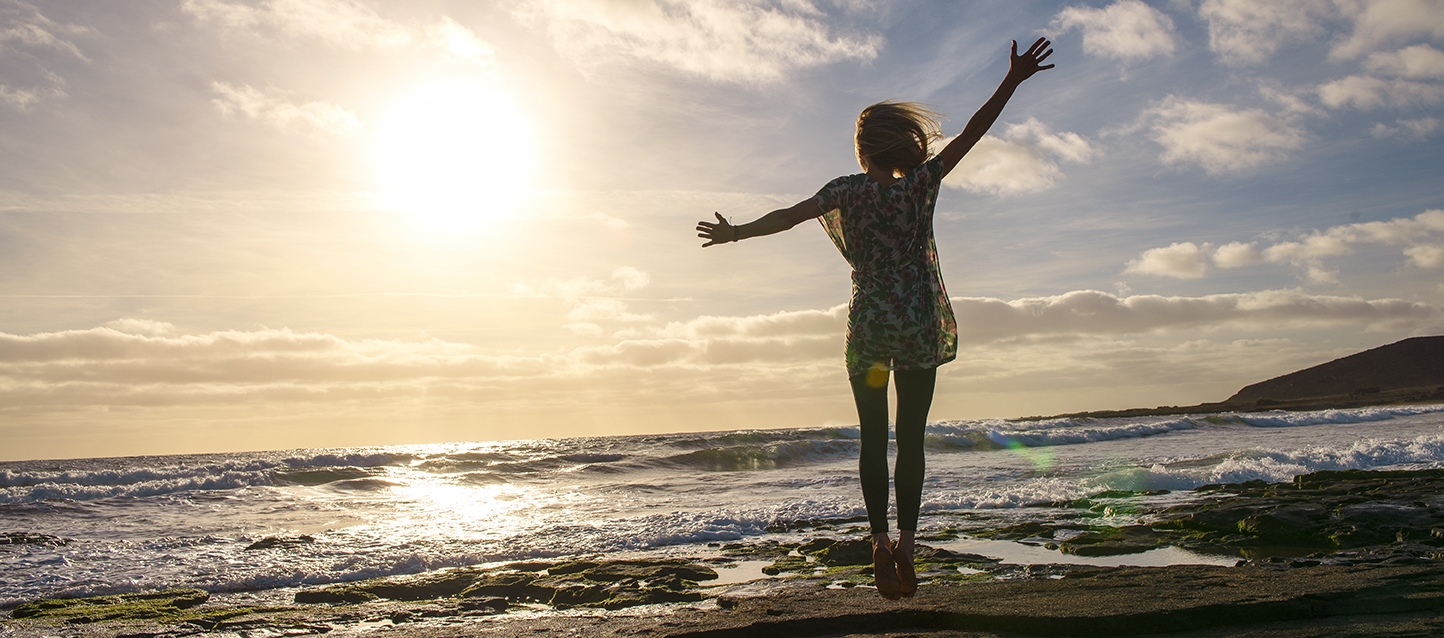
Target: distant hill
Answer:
pixel 1408 371
pixel 1413 365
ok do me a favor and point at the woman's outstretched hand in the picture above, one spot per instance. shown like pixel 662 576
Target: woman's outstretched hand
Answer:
pixel 1022 67
pixel 718 233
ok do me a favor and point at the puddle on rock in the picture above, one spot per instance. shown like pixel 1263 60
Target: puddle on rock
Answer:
pixel 1012 553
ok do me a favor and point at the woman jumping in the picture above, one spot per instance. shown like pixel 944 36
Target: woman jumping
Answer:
pixel 899 318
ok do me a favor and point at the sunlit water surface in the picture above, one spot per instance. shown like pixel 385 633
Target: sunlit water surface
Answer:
pixel 151 522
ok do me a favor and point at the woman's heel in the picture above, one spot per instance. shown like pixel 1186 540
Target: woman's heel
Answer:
pixel 884 571
pixel 906 575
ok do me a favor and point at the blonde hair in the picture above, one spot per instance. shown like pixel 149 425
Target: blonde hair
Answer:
pixel 895 135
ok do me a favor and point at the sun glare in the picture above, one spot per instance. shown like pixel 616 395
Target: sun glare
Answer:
pixel 455 155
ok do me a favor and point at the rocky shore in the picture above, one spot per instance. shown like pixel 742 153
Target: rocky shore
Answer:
pixel 1352 552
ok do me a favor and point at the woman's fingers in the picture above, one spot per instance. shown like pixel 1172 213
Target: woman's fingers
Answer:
pixel 1044 56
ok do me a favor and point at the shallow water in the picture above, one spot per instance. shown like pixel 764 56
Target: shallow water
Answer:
pixel 150 522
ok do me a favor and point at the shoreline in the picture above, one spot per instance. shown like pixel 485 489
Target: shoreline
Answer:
pixel 1311 554
pixel 1389 398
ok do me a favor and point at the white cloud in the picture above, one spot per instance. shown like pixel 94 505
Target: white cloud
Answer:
pixel 1289 98
pixel 23 25
pixel 460 42
pixel 1236 255
pixel 593 301
pixel 134 326
pixel 1023 160
pixel 1248 31
pixel 25 29
pixel 631 278
pixel 347 24
pixel 1185 260
pixel 1426 256
pixel 1124 30
pixel 1093 312
pixel 276 111
pixel 20 99
pixel 342 23
pixel 1367 92
pixel 722 40
pixel 623 279
pixel 780 324
pixel 1379 23
pixel 1422 237
pixel 1218 137
pixel 1418 61
pixel 1417 129
pixel 591 311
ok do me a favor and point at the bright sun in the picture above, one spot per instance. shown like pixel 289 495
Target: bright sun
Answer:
pixel 454 155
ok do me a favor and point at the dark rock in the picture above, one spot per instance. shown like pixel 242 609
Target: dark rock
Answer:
pixel 580 595
pixel 530 566
pixel 1113 541
pixel 848 552
pixel 571 567
pixel 1021 530
pixel 512 586
pixel 270 542
pixel 26 538
pixel 815 545
pixel 648 596
pixel 334 596
pixel 646 569
pixel 492 604
pixel 140 606
pixel 428 586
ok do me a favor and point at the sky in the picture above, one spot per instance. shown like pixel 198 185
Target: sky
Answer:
pixel 268 224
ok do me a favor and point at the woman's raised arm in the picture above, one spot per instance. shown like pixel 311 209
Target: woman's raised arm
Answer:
pixel 776 221
pixel 1020 67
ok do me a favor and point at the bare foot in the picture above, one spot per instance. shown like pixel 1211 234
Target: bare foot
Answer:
pixel 902 556
pixel 884 572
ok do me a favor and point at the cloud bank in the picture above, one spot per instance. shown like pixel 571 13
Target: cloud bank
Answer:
pixel 280 113
pixel 344 24
pixel 140 363
pixel 718 40
pixel 1421 238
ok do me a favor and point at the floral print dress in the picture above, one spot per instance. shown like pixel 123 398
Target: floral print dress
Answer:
pixel 899 317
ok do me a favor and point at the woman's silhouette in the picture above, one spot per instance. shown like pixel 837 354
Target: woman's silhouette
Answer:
pixel 899 319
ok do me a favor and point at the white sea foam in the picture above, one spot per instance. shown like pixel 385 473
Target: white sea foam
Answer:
pixel 1278 465
pixel 1284 419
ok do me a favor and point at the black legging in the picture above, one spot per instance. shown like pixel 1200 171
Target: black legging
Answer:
pixel 914 397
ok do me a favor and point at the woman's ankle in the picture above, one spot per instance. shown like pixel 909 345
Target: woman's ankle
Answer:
pixel 905 540
pixel 883 539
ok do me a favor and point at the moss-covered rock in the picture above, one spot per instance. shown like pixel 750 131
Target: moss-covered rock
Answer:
pixel 846 552
pixel 607 584
pixel 138 606
pixel 1113 541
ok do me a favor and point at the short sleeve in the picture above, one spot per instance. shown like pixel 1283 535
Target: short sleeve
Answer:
pixel 830 197
pixel 928 174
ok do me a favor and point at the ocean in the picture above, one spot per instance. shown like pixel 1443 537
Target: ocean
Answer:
pixel 144 523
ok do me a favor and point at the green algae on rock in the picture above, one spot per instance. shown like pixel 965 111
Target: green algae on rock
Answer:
pixel 136 606
pixel 606 584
